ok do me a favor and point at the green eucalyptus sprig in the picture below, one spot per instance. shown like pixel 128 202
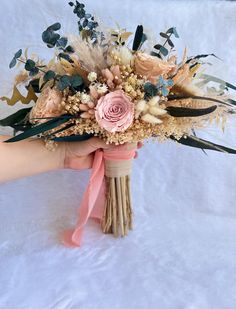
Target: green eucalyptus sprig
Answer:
pixel 74 82
pixel 30 65
pixel 87 25
pixel 54 39
pixel 162 49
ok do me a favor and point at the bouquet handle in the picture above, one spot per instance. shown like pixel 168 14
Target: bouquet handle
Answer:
pixel 95 193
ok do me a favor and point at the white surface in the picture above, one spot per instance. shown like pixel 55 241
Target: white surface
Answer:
pixel 182 252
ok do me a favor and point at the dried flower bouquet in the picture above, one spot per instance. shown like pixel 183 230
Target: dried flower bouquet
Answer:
pixel 101 84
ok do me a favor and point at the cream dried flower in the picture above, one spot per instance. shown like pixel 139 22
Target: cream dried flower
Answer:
pixel 92 76
pixel 85 98
pixel 123 54
pixel 102 89
pixel 150 111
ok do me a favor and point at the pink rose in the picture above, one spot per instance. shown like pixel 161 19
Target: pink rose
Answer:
pixel 114 111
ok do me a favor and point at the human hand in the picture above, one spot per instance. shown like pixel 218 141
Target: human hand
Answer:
pixel 79 155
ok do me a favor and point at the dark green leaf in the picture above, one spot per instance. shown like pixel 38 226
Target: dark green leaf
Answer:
pixel 18 54
pixel 69 49
pixel 170 43
pixel 76 81
pixel 156 55
pixel 64 82
pixel 20 127
pixel 15 118
pixel 29 65
pixel 164 51
pixel 41 128
pixel 158 46
pixel 85 23
pixel 138 37
pixel 50 38
pixel 61 129
pixel 173 31
pixel 144 38
pixel 34 71
pixel 201 56
pixel 34 83
pixel 54 27
pixel 66 57
pixel 164 35
pixel 71 3
pixel 197 142
pixel 73 138
pixel 49 75
pixel 150 89
pixel 231 101
pixel 189 112
pixel 175 97
pixel 62 42
pixel 12 63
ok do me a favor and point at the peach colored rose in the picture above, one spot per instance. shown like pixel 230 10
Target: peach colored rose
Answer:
pixel 151 66
pixel 47 105
pixel 114 111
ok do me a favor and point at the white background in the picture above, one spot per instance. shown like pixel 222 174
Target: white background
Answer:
pixel 182 252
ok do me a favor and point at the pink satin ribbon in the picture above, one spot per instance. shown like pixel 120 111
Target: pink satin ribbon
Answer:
pixel 93 201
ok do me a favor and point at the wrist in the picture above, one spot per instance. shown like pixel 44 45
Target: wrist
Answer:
pixel 61 151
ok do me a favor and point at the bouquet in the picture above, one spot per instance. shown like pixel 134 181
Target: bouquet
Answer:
pixel 124 88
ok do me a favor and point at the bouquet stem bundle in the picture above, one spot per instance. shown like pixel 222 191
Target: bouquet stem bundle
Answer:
pixel 118 215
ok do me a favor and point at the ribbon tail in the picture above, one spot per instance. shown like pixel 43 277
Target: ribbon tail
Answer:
pixel 72 238
pixel 97 212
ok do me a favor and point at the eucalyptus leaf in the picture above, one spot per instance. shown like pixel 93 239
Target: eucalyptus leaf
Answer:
pixel 54 27
pixel 50 38
pixel 175 33
pixel 62 42
pixel 76 81
pixel 66 57
pixel 69 49
pixel 49 75
pixel 29 65
pixel 12 63
pixel 163 51
pixel 150 89
pixel 158 46
pixel 156 55
pixel 64 82
pixel 34 71
pixel 170 43
pixel 164 35
pixel 18 54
